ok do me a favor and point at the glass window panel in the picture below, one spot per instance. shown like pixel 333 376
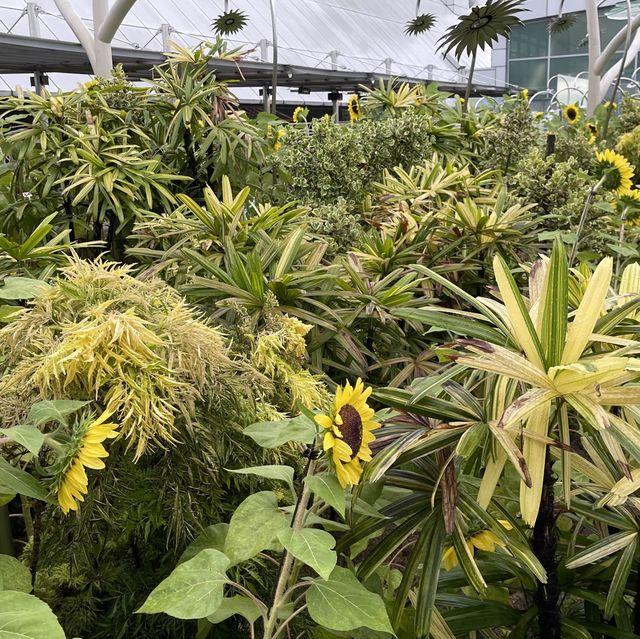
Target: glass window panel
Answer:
pixel 530 40
pixel 571 65
pixel 531 74
pixel 568 42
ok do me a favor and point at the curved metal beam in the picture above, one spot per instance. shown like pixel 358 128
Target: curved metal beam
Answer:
pixel 79 29
pixel 114 19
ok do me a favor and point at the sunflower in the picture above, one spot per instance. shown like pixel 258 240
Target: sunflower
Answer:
pixel 484 540
pixel 592 128
pixel 628 204
pixel 354 108
pixel 349 432
pixel 420 24
pixel 481 27
pixel 299 112
pixel 88 453
pixel 571 114
pixel 230 22
pixel 524 94
pixel 558 24
pixel 616 171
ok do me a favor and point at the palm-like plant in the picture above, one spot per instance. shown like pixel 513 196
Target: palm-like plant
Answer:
pixel 482 26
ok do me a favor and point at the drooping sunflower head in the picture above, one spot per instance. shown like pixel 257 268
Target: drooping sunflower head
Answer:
pixel 420 24
pixel 348 432
pixel 481 27
pixel 484 540
pixel 615 171
pixel 558 24
pixel 355 113
pixel 85 450
pixel 299 113
pixel 592 130
pixel 628 204
pixel 571 114
pixel 230 22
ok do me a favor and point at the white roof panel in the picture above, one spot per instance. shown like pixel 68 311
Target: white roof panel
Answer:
pixel 365 33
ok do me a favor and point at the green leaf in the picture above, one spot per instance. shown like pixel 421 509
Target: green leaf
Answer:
pixel 24 616
pixel 281 473
pixel 9 313
pixel 311 547
pixel 28 436
pixel 237 605
pixel 14 575
pixel 343 603
pixel 274 434
pixel 554 316
pixel 328 488
pixel 601 549
pixel 53 411
pixel 619 581
pixel 254 526
pixel 211 537
pixel 22 288
pixel 193 590
pixel 14 480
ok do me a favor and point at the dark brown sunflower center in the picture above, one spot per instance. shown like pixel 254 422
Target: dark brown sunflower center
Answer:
pixel 479 23
pixel 351 428
pixel 571 114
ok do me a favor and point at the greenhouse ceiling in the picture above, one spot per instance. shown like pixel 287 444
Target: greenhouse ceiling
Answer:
pixel 333 44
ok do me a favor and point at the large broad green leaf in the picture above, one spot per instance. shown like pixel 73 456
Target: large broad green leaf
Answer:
pixel 14 480
pixel 14 575
pixel 22 288
pixel 281 473
pixel 343 603
pixel 254 526
pixel 237 605
pixel 28 436
pixel 53 411
pixel 328 488
pixel 193 590
pixel 274 434
pixel 24 616
pixel 312 547
pixel 211 537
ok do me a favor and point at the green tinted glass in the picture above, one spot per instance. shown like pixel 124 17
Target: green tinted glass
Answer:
pixel 530 40
pixel 531 74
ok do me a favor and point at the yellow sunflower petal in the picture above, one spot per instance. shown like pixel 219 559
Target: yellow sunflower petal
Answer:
pixel 324 420
pixel 449 558
pixel 328 441
pixel 485 540
pixel 342 451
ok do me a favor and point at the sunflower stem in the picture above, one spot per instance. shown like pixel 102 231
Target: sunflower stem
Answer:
pixel 467 93
pixel 299 513
pixel 583 220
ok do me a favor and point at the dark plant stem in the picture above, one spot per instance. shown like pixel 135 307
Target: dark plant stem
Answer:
pixel 68 209
pixel 6 536
pixel 467 93
pixel 191 158
pixel 544 547
pixel 636 604
pixel 37 540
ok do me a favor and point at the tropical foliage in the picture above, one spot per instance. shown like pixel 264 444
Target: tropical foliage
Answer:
pixel 271 379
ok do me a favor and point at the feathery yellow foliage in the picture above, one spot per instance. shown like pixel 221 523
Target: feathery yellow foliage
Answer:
pixel 133 346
